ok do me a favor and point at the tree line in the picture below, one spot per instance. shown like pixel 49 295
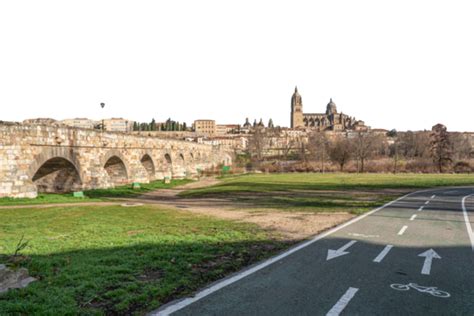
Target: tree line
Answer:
pixel 427 151
pixel 169 125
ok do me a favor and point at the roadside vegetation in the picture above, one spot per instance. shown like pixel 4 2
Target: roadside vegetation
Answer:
pixel 98 195
pixel 115 260
pixel 315 192
pixel 435 151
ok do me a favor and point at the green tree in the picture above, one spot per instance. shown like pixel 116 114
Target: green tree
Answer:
pixel 270 123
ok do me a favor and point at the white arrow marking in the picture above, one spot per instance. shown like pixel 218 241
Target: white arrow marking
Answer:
pixel 341 251
pixel 429 255
pixel 343 301
pixel 402 230
pixel 413 217
pixel 421 208
pixel 383 253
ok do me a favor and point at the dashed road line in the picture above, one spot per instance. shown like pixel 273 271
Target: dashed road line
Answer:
pixel 383 253
pixel 427 202
pixel 421 208
pixel 433 196
pixel 343 301
pixel 402 230
pixel 413 217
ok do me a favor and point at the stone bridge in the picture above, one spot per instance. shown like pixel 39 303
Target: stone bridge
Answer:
pixel 39 158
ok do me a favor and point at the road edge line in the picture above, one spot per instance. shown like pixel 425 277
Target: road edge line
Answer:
pixel 466 220
pixel 176 306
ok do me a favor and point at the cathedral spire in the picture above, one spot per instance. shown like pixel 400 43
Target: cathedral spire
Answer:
pixel 296 89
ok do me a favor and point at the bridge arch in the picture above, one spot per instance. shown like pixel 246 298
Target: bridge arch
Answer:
pixel 56 170
pixel 149 165
pixel 116 167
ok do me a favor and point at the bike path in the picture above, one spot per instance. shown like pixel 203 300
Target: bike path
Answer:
pixel 307 283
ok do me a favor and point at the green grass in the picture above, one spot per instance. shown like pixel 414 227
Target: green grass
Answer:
pixel 93 195
pixel 128 191
pixel 312 192
pixel 94 260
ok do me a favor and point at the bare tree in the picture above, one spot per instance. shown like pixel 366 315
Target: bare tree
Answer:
pixel 318 146
pixel 461 145
pixel 289 144
pixel 441 148
pixel 256 144
pixel 340 152
pixel 413 144
pixel 365 144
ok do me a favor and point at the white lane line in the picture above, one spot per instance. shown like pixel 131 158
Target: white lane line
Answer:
pixel 413 217
pixel 427 202
pixel 402 230
pixel 433 196
pixel 343 301
pixel 466 219
pixel 383 253
pixel 178 305
pixel 421 208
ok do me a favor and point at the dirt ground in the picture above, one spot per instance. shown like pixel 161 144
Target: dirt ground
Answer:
pixel 286 225
pixel 289 226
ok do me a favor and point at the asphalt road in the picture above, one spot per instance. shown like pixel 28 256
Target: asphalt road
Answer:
pixel 412 257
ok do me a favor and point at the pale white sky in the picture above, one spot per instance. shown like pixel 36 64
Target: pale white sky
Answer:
pixel 394 64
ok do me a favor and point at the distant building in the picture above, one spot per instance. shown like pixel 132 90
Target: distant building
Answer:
pixel 233 142
pixel 80 123
pixel 205 127
pixel 41 121
pixel 118 125
pixel 227 129
pixel 329 121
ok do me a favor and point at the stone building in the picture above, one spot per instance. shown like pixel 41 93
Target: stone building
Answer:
pixel 117 125
pixel 331 120
pixel 205 126
pixel 80 123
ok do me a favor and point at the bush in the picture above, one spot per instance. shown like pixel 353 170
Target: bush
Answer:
pixel 462 167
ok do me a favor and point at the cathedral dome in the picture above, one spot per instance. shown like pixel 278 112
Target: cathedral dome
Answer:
pixel 331 108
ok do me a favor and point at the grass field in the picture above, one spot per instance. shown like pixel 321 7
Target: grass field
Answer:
pixel 94 195
pixel 314 192
pixel 116 260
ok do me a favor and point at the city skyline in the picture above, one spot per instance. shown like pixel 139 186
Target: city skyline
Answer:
pixel 406 66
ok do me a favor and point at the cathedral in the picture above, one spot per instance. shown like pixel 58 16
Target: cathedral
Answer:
pixel 329 121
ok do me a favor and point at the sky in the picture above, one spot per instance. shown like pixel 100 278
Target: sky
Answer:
pixel 393 64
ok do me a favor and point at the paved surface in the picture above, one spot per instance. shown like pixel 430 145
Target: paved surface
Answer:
pixel 412 257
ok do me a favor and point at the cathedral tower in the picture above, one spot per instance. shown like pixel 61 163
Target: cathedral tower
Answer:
pixel 296 110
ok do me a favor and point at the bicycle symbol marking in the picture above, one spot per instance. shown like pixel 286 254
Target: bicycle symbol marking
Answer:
pixel 423 289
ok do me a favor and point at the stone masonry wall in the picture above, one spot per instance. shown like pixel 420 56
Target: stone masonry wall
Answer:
pixel 29 150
